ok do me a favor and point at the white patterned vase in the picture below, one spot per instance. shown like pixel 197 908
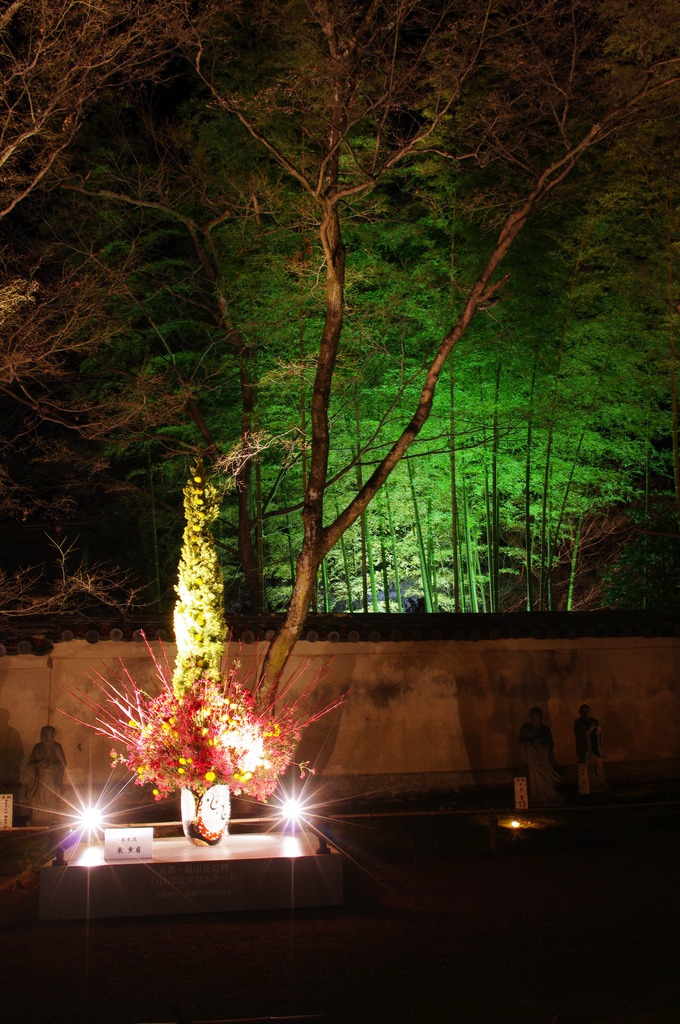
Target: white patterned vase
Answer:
pixel 205 820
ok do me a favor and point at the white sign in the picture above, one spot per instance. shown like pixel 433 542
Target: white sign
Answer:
pixel 128 844
pixel 6 803
pixel 521 793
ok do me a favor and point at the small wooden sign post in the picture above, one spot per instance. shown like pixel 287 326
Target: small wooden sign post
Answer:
pixel 583 780
pixel 6 809
pixel 521 793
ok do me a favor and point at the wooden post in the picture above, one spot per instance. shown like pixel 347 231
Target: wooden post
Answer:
pixel 583 780
pixel 6 809
pixel 521 793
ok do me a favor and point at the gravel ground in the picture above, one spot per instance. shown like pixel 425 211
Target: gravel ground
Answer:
pixel 571 921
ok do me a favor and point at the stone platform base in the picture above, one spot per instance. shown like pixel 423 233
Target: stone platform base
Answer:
pixel 245 872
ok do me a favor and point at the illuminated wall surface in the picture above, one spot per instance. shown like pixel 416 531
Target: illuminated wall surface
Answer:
pixel 418 716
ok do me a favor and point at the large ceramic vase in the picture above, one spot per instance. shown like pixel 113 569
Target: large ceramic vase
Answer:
pixel 205 820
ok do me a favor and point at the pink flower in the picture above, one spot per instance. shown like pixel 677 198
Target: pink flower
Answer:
pixel 216 733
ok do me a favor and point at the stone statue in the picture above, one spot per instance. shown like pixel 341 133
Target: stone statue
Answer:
pixel 588 734
pixel 47 765
pixel 536 745
pixel 11 755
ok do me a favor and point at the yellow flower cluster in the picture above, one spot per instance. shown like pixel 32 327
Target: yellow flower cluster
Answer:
pixel 200 627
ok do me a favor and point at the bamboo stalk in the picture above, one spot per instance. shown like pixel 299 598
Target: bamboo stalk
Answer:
pixel 528 532
pixel 472 585
pixel 563 509
pixel 494 567
pixel 393 544
pixel 419 537
pixel 452 431
pixel 289 537
pixel 261 602
pixel 432 567
pixel 488 518
pixel 383 558
pixel 454 498
pixel 371 568
pixel 362 517
pixel 673 310
pixel 574 563
pixel 326 588
pixel 345 562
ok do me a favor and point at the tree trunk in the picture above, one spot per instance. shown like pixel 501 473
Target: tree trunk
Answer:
pixel 318 540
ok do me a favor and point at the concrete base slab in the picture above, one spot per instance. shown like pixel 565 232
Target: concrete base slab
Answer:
pixel 245 872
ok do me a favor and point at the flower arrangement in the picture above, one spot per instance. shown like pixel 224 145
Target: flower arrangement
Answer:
pixel 204 727
pixel 214 733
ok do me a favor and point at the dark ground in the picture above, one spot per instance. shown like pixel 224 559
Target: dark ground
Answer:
pixel 573 920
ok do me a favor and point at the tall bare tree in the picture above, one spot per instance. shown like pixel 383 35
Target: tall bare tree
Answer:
pixel 56 57
pixel 534 84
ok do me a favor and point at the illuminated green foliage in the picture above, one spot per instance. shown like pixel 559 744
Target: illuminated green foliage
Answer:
pixel 559 401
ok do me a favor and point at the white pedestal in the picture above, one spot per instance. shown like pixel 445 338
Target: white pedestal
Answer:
pixel 245 872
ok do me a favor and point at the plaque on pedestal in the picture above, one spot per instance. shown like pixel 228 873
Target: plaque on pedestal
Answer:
pixel 128 844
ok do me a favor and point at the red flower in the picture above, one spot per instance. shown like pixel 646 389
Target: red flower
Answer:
pixel 214 733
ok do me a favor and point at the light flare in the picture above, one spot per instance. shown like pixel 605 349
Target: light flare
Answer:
pixel 91 820
pixel 292 810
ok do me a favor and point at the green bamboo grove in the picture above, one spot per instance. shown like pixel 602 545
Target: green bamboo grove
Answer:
pixel 218 240
pixel 544 478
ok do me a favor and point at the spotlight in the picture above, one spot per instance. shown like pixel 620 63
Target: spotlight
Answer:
pixel 514 824
pixel 291 808
pixel 291 815
pixel 90 819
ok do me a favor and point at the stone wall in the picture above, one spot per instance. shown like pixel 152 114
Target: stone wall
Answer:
pixel 419 716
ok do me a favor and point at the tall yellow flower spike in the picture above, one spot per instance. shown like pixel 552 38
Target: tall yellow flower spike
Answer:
pixel 200 625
